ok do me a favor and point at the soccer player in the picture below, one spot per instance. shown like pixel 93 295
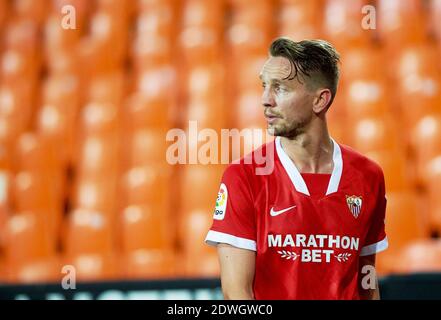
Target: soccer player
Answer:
pixel 310 227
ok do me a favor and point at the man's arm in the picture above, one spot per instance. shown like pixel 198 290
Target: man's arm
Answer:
pixel 237 272
pixel 368 279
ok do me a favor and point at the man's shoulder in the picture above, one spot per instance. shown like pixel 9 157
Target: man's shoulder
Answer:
pixel 360 162
pixel 257 158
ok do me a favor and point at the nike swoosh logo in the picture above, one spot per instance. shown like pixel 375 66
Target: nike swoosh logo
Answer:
pixel 274 213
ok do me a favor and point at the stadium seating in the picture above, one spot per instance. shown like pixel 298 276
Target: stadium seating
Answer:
pixel 406 222
pixel 27 238
pixel 427 130
pixel 342 25
pixel 84 115
pixel 435 18
pixel 402 22
pixel 420 256
pixel 299 19
pixel 398 174
pixel 375 134
pixel 432 174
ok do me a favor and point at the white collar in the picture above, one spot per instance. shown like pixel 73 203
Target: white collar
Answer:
pixel 296 177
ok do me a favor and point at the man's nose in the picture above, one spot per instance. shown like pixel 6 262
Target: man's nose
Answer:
pixel 268 98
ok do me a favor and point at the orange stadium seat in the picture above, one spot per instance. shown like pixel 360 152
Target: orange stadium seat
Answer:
pixel 82 9
pixel 59 39
pixel 140 108
pixel 397 172
pixel 18 64
pixel 154 81
pixel 362 62
pixel 4 10
pixel 199 187
pixel 366 97
pixel 38 192
pixel 88 232
pixel 58 129
pixel 247 76
pixel 405 221
pixel 98 156
pixel 206 81
pixel 150 264
pixel 154 24
pixel 299 19
pixel 114 7
pixel 205 101
pixel 63 91
pixel 34 153
pixel 420 96
pixel 200 35
pixel 105 47
pixel 8 133
pixel 34 10
pixel 145 147
pixel 4 216
pixel 401 21
pixel 193 229
pixel 420 59
pixel 21 35
pixel 251 29
pixel 6 160
pixel 107 88
pixel 203 14
pixel 145 56
pixel 96 194
pixel 36 271
pixel 94 266
pixel 432 181
pixel 16 107
pixel 145 227
pixel 420 256
pixel 64 63
pixel 342 23
pixel 56 118
pixel 203 265
pixel 99 119
pixel 27 238
pixel 249 112
pixel 375 134
pixel 405 224
pixel 417 70
pixel 146 184
pixel 435 18
pixel 425 141
pixel 206 113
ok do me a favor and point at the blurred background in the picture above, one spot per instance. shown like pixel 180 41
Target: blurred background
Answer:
pixel 84 114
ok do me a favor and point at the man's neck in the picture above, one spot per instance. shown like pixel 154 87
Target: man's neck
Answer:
pixel 311 151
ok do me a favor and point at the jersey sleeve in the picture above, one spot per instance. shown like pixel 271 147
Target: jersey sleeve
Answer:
pixel 234 215
pixel 376 240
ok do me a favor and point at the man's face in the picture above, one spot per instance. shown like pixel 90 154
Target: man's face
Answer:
pixel 287 102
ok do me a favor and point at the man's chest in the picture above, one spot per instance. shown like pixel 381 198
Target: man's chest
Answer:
pixel 288 219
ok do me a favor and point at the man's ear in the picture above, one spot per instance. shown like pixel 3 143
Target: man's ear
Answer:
pixel 321 100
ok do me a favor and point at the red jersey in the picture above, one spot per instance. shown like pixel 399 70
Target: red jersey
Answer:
pixel 307 244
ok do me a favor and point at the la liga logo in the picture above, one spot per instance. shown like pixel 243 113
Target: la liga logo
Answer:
pixel 220 198
pixel 221 203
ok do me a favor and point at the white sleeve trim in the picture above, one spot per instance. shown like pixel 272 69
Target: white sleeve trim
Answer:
pixel 214 238
pixel 374 248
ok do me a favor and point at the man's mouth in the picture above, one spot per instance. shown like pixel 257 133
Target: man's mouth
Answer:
pixel 271 118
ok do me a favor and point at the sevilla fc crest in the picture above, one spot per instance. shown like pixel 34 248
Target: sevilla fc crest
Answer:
pixel 354 204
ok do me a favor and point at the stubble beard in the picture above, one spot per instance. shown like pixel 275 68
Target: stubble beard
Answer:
pixel 291 132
